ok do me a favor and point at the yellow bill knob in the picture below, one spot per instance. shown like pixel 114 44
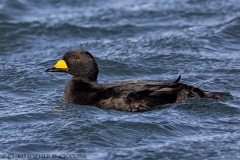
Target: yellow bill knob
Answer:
pixel 61 64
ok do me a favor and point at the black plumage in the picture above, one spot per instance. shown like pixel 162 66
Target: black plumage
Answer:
pixel 132 96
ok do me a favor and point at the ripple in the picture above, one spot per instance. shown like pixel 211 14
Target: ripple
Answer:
pixel 131 40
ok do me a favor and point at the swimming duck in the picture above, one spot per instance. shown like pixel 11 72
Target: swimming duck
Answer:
pixel 131 96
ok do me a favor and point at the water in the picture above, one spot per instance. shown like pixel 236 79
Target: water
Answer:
pixel 131 40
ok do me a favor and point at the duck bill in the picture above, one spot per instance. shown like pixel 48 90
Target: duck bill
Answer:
pixel 56 70
pixel 60 66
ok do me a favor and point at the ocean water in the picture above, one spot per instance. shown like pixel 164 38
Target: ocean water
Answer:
pixel 131 40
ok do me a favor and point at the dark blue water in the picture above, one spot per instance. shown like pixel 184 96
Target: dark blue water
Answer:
pixel 131 40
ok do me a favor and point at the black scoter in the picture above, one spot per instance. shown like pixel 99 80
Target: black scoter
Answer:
pixel 131 96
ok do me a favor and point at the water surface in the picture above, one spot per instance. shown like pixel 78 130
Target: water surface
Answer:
pixel 131 40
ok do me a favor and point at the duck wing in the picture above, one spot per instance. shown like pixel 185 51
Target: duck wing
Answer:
pixel 138 95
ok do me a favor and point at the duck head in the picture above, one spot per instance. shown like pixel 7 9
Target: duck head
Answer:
pixel 79 63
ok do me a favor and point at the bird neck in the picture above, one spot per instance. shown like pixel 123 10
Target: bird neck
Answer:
pixel 85 80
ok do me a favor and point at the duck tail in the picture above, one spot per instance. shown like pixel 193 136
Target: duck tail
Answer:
pixel 178 79
pixel 215 95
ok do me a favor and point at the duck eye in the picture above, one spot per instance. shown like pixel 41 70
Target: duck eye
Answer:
pixel 75 57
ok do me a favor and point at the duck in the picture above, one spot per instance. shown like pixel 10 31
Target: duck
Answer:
pixel 130 96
